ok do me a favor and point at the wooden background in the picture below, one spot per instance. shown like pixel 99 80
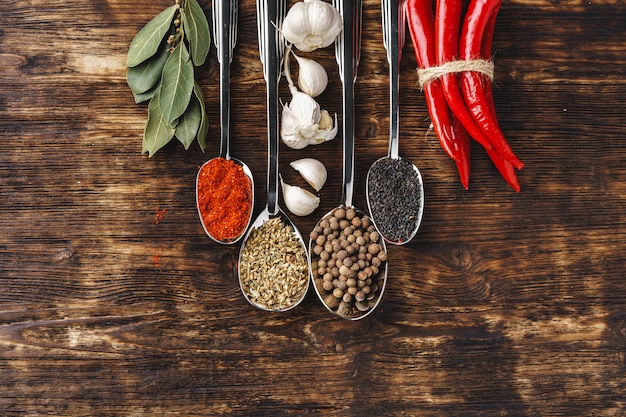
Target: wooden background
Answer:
pixel 113 302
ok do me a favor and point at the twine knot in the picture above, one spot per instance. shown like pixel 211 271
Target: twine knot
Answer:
pixel 482 66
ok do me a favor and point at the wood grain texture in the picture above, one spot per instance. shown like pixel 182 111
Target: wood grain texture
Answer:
pixel 505 304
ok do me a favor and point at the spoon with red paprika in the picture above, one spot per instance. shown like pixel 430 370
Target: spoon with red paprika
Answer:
pixel 395 190
pixel 225 185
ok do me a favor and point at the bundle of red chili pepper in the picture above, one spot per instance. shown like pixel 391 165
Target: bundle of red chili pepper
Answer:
pixel 454 65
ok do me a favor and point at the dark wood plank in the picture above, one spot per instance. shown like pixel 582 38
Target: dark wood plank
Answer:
pixel 505 304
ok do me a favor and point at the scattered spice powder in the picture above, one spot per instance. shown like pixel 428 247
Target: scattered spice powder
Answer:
pixel 224 198
pixel 274 270
pixel 156 261
pixel 158 216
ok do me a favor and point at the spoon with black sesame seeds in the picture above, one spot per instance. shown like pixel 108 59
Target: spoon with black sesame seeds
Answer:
pixel 394 186
pixel 347 256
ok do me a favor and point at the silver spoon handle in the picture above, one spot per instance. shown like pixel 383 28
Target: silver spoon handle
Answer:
pixel 225 38
pixel 270 14
pixel 348 54
pixel 394 28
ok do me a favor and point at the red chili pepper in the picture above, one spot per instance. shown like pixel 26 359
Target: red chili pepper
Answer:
pixel 421 28
pixel 486 54
pixel 478 15
pixel 505 168
pixel 447 27
pixel 463 165
pixel 440 116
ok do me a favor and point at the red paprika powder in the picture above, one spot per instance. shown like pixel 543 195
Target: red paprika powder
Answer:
pixel 224 198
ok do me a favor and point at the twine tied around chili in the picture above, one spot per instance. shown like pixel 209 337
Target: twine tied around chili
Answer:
pixel 426 75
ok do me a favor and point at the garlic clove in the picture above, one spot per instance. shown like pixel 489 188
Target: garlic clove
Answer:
pixel 303 123
pixel 327 131
pixel 298 200
pixel 313 171
pixel 326 122
pixel 312 77
pixel 294 141
pixel 312 24
pixel 299 120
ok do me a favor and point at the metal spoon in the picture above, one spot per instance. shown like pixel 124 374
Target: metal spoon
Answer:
pixel 270 14
pixel 393 38
pixel 225 38
pixel 347 53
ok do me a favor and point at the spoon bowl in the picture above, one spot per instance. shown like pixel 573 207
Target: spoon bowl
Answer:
pixel 353 289
pixel 395 198
pixel 348 281
pixel 297 257
pixel 395 189
pixel 280 264
pixel 225 38
pixel 248 194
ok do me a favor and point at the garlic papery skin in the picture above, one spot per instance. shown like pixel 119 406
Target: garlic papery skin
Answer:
pixel 313 171
pixel 312 24
pixel 303 123
pixel 312 77
pixel 298 200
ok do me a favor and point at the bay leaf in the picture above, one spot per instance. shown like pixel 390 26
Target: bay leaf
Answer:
pixel 196 29
pixel 158 132
pixel 146 42
pixel 141 97
pixel 188 123
pixel 176 83
pixel 146 75
pixel 203 129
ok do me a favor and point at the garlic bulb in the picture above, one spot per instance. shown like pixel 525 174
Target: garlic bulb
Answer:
pixel 298 200
pixel 303 123
pixel 312 170
pixel 312 24
pixel 312 77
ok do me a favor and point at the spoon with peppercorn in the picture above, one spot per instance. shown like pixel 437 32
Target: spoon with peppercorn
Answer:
pixel 348 258
pixel 395 191
pixel 225 185
pixel 273 265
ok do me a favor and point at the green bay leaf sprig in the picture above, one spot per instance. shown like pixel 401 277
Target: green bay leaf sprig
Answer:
pixel 160 69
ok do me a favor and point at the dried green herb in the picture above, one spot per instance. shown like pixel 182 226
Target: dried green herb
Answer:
pixel 160 61
pixel 189 122
pixel 147 41
pixel 203 129
pixel 157 132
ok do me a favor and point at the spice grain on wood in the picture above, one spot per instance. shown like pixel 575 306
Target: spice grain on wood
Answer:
pixel 224 198
pixel 273 269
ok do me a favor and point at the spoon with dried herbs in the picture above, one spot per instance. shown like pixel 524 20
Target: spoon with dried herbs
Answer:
pixel 395 190
pixel 348 258
pixel 225 185
pixel 273 267
pixel 160 61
